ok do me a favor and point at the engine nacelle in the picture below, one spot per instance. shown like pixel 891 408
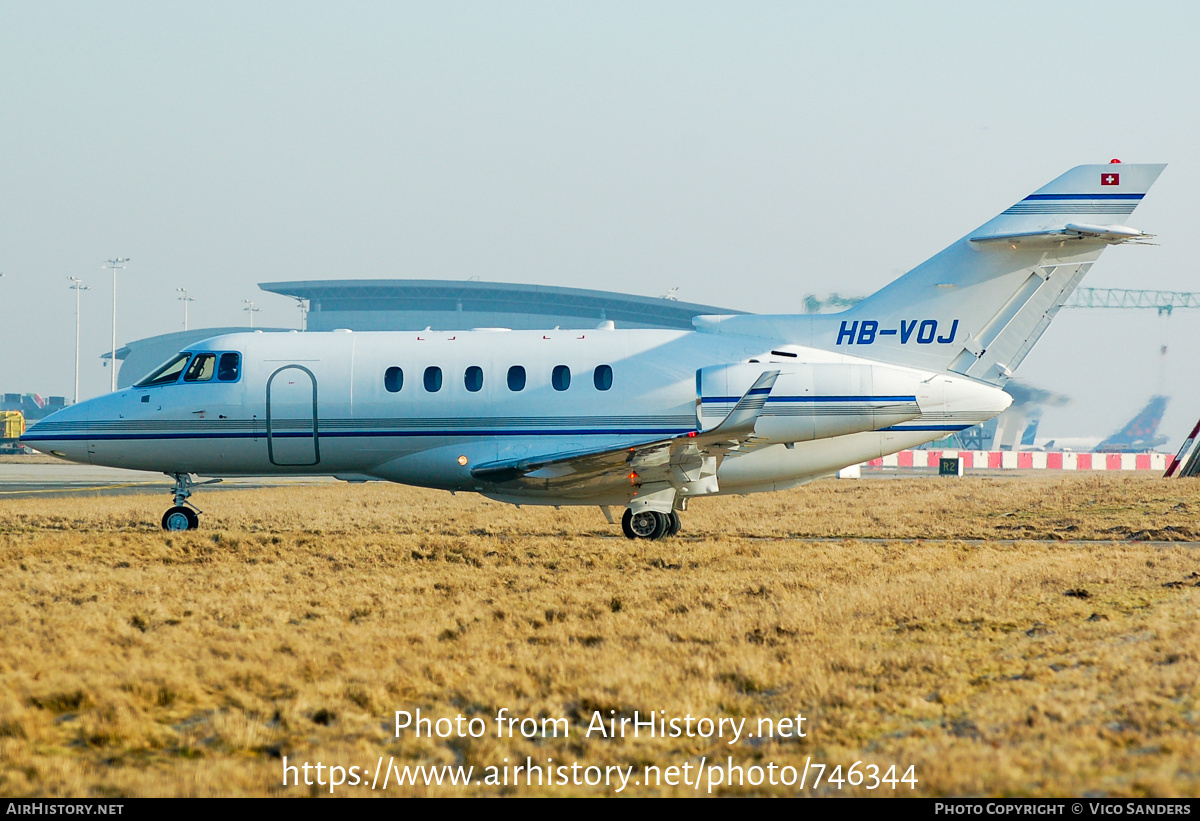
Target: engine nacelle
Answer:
pixel 812 401
pixel 819 400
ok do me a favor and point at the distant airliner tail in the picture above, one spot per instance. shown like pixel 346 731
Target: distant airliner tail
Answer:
pixel 978 307
pixel 1140 432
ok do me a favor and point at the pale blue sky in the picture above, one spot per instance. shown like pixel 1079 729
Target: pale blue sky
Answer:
pixel 748 153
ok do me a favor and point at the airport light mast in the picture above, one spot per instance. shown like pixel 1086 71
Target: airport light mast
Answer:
pixel 76 286
pixel 115 265
pixel 185 299
pixel 250 309
pixel 302 304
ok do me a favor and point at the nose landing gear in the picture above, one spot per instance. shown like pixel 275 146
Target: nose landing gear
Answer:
pixel 650 524
pixel 180 517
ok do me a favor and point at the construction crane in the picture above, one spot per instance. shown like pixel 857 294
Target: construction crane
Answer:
pixel 814 304
pixel 1163 301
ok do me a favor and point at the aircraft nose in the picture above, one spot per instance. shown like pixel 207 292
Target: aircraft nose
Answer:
pixel 62 433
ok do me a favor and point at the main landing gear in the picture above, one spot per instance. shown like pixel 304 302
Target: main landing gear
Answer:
pixel 183 516
pixel 650 524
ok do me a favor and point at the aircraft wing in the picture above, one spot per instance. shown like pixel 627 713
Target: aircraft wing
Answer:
pixel 684 458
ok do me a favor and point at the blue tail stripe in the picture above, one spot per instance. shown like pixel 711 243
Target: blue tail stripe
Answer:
pixel 1084 197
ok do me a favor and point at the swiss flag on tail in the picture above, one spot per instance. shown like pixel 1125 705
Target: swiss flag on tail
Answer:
pixel 1110 179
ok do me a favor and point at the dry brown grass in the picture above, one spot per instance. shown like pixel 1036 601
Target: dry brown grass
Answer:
pixel 135 662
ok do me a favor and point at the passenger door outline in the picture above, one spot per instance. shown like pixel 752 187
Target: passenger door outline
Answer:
pixel 292 456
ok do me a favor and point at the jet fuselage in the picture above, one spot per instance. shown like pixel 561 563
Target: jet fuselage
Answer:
pixel 425 408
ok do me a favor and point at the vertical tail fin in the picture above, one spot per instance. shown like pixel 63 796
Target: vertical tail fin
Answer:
pixel 1140 432
pixel 978 307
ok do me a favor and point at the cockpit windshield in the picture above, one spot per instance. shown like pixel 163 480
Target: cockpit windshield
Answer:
pixel 226 367
pixel 166 373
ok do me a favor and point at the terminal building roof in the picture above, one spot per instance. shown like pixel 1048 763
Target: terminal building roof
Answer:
pixel 415 304
pixel 524 306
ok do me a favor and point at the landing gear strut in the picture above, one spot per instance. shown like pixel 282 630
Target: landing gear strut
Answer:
pixel 184 515
pixel 649 524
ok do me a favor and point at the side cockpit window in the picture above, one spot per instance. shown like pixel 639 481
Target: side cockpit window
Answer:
pixel 202 368
pixel 229 367
pixel 167 373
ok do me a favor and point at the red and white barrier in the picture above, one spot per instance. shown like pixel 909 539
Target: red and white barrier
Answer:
pixel 1024 460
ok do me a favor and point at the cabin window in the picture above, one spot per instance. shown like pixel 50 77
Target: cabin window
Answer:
pixel 202 368
pixel 393 379
pixel 602 377
pixel 167 373
pixel 228 367
pixel 516 378
pixel 433 379
pixel 473 378
pixel 561 378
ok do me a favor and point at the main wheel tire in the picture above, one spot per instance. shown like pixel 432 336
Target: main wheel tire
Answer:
pixel 625 524
pixel 675 525
pixel 180 518
pixel 648 524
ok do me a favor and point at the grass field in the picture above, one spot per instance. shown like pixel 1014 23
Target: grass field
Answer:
pixel 1001 636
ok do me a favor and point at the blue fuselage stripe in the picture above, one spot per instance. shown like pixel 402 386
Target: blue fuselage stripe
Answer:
pixel 816 399
pixel 76 437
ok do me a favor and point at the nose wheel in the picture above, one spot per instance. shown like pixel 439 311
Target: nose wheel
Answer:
pixel 180 518
pixel 183 516
pixel 650 524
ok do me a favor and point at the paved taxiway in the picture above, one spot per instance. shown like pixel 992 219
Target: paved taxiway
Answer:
pixel 19 480
pixel 38 477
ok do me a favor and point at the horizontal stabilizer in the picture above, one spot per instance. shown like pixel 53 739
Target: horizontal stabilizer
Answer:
pixel 1071 232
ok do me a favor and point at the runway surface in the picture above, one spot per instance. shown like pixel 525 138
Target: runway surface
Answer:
pixel 42 479
pixel 38 477
pixel 19 481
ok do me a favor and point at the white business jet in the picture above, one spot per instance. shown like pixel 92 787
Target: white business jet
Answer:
pixel 639 419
